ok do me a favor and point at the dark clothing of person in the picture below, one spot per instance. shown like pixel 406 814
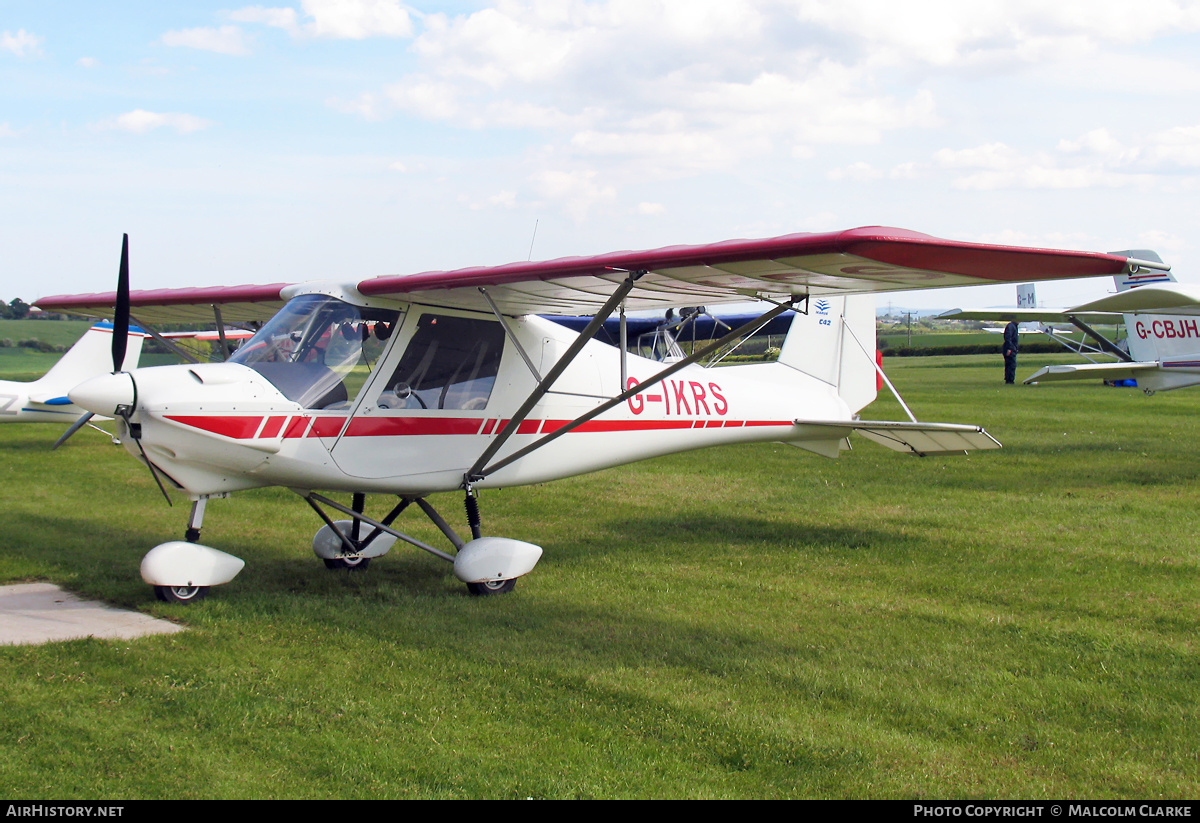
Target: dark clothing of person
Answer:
pixel 1010 351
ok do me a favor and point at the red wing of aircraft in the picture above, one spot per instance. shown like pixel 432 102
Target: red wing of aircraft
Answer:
pixel 409 385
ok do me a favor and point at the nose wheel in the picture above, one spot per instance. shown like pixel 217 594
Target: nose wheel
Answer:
pixel 180 594
pixel 490 587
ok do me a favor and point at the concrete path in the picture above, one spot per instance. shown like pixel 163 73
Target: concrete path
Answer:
pixel 32 613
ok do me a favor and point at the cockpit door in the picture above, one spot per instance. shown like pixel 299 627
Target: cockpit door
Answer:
pixel 426 409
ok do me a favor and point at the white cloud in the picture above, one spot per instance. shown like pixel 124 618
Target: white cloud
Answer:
pixel 140 121
pixel 224 40
pixel 22 44
pixel 859 172
pixel 6 130
pixel 339 19
pixel 577 191
pixel 993 32
pixel 87 62
pixel 1178 146
pixel 993 156
pixel 651 208
pixel 280 18
pixel 1096 158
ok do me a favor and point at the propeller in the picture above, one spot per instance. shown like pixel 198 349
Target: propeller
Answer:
pixel 121 310
pixel 120 341
pixel 120 345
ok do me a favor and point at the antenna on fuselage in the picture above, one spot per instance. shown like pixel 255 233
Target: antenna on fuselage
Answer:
pixel 535 225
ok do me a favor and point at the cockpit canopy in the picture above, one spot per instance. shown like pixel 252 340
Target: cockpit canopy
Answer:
pixel 319 350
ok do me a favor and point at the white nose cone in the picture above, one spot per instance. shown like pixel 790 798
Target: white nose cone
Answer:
pixel 102 395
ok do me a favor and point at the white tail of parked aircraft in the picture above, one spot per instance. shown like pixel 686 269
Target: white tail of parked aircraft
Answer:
pixel 1162 326
pixel 45 400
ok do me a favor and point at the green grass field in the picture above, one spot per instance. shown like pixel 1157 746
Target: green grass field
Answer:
pixel 744 622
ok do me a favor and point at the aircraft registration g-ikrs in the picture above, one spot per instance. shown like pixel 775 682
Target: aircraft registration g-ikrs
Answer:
pixel 410 385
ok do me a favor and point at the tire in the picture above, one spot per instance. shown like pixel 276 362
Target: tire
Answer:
pixel 491 587
pixel 350 564
pixel 180 594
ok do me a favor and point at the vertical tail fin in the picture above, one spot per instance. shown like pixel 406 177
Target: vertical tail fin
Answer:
pixel 1159 337
pixel 1144 276
pixel 1026 296
pixel 90 356
pixel 834 342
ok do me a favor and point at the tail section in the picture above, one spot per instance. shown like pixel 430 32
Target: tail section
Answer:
pixel 90 356
pixel 1141 277
pixel 1026 296
pixel 834 342
pixel 1156 337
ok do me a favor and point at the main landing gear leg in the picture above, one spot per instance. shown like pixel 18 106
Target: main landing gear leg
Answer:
pixel 488 565
pixel 195 521
pixel 352 562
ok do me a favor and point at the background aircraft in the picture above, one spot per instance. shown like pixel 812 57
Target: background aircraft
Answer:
pixel 45 400
pixel 1162 333
pixel 410 385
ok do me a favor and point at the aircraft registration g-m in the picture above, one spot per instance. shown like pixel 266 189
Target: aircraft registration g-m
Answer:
pixel 409 385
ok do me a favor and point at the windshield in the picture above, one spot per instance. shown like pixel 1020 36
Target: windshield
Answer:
pixel 318 350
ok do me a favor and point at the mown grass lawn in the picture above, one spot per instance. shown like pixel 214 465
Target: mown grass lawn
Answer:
pixel 739 622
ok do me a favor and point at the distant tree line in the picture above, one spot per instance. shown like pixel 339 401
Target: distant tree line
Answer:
pixel 18 309
pixel 14 309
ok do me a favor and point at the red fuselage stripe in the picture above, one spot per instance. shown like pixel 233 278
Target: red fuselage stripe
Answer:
pixel 239 427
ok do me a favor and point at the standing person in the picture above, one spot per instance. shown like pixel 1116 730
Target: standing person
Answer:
pixel 1010 351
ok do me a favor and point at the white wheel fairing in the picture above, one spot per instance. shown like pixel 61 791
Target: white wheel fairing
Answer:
pixel 182 564
pixel 328 546
pixel 490 559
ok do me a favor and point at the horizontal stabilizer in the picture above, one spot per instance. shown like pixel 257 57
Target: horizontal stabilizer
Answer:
pixel 920 439
pixel 1091 371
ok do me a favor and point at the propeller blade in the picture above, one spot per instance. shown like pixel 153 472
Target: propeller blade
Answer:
pixel 121 311
pixel 76 426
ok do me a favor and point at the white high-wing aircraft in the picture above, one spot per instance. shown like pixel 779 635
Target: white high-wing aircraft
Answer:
pixel 1163 331
pixel 409 385
pixel 1160 318
pixel 1145 268
pixel 45 400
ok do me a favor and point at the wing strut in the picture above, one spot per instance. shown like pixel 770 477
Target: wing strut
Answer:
pixel 512 337
pixel 1102 341
pixel 879 371
pixel 476 474
pixel 221 332
pixel 540 390
pixel 188 357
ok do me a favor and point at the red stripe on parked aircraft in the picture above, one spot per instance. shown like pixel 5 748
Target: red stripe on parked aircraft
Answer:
pixel 400 426
pixel 272 427
pixel 298 427
pixel 326 426
pixel 247 427
pixel 238 428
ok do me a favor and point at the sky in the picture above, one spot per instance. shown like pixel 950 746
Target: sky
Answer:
pixel 345 139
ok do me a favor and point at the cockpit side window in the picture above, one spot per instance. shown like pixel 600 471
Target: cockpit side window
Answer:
pixel 450 363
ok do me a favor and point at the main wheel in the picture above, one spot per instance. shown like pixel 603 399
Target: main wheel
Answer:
pixel 180 594
pixel 492 587
pixel 348 563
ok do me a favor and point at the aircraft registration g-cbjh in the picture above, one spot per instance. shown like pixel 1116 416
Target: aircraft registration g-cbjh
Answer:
pixel 409 385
